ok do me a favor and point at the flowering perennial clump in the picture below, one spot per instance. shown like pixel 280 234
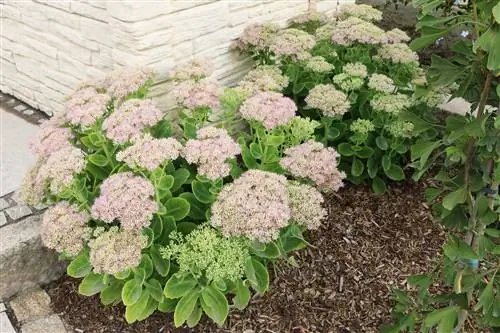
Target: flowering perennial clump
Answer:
pixel 364 12
pixel 115 250
pixel 205 250
pixel 210 151
pixel 193 94
pixel 381 83
pixel 306 205
pixel 255 205
pixel 65 228
pixel 393 104
pixel 85 106
pixel 149 153
pixel 355 30
pixel 193 70
pixel 314 161
pixel 330 101
pixel 130 119
pixel 126 198
pixel 362 126
pixel 263 78
pixel 269 108
pixel 292 43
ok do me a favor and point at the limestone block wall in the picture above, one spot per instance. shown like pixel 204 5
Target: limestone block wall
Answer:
pixel 49 47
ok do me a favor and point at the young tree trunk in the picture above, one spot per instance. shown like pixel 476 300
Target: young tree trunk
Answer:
pixel 312 6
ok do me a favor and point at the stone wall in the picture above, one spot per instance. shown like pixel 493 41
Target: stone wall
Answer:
pixel 49 47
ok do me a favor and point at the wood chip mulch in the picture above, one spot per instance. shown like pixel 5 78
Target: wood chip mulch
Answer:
pixel 369 245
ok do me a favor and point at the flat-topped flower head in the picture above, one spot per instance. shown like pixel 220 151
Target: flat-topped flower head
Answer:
pixel 257 36
pixel 355 30
pixel 362 11
pixel 393 104
pixel 330 101
pixel 205 250
pixel 255 205
pixel 192 94
pixel 130 119
pixel 348 82
pixel 50 138
pixel 318 65
pixel 64 228
pixel 33 187
pixel 398 53
pixel 362 126
pixel 397 36
pixel 85 106
pixel 271 109
pixel 316 162
pixel 210 151
pixel 355 69
pixel 195 69
pixel 306 204
pixel 308 17
pixel 149 153
pixel 263 78
pixel 293 43
pixel 115 250
pixel 325 32
pixel 60 168
pixel 122 83
pixel 127 199
pixel 300 129
pixel 401 129
pixel 381 83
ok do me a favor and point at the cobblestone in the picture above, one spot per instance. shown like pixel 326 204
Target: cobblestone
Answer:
pixel 3 219
pixel 31 305
pixel 4 204
pixel 52 324
pixel 18 212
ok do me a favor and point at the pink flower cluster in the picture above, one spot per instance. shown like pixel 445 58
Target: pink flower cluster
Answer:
pixel 64 228
pixel 210 151
pixel 293 43
pixel 32 188
pixel 50 138
pixel 123 83
pixel 330 101
pixel 126 198
pixel 306 204
pixel 130 119
pixel 263 78
pixel 257 36
pixel 85 106
pixel 397 36
pixel 355 30
pixel 115 250
pixel 148 152
pixel 314 161
pixel 255 205
pixel 364 12
pixel 269 108
pixel 193 94
pixel 397 53
pixel 193 70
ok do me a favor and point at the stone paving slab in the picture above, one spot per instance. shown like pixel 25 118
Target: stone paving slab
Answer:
pixel 52 324
pixel 5 325
pixel 31 305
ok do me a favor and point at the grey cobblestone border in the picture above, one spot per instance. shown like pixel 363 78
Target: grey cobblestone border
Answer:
pixel 23 110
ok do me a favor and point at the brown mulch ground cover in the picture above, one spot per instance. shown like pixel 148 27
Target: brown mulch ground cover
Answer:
pixel 368 246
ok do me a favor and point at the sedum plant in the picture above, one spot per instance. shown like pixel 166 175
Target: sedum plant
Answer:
pixel 177 216
pixel 356 80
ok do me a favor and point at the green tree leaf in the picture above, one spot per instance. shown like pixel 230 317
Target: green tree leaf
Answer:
pixel 437 316
pixel 216 306
pixel 185 307
pixel 178 286
pixel 178 208
pixel 455 198
pixel 80 266
pixel 131 292
pixel 486 298
pixel 456 248
pixel 422 150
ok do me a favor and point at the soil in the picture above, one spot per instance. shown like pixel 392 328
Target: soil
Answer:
pixel 368 246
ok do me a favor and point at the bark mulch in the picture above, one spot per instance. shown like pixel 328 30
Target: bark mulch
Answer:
pixel 369 245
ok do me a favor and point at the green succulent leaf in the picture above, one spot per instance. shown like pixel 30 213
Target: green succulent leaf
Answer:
pixel 131 292
pixel 178 286
pixel 185 307
pixel 215 304
pixel 91 284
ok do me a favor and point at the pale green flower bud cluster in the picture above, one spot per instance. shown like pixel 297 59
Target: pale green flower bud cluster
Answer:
pixel 206 251
pixel 355 69
pixel 319 65
pixel 330 101
pixel 393 104
pixel 348 83
pixel 300 129
pixel 401 129
pixel 362 126
pixel 325 31
pixel 364 12
pixel 381 83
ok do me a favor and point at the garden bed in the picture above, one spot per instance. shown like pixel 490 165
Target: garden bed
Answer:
pixel 368 246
